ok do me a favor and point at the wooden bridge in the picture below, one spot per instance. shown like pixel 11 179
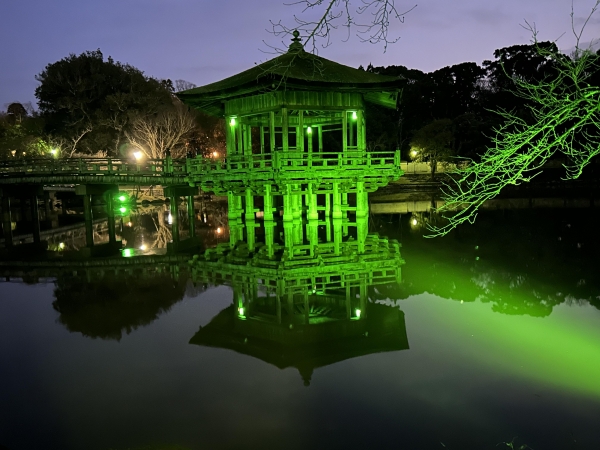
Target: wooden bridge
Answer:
pixel 219 175
pixel 63 171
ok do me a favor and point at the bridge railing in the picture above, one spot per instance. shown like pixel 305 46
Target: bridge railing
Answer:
pixel 93 166
pixel 294 160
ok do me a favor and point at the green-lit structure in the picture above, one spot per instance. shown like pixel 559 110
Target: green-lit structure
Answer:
pixel 296 137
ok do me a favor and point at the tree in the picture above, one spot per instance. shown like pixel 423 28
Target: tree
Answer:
pixel 182 85
pixel 565 119
pixel 88 103
pixel 22 134
pixel 168 129
pixel 434 143
pixel 320 18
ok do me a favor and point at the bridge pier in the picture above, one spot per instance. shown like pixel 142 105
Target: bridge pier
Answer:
pixel 23 193
pixel 173 193
pixel 107 191
pixel 6 221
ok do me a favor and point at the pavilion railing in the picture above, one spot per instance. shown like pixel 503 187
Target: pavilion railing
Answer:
pixel 294 160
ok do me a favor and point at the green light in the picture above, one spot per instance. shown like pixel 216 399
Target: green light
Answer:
pixel 241 312
pixel 232 122
pixel 309 130
pixel 127 253
pixel 122 198
pixel 122 209
pixel 354 115
pixel 358 313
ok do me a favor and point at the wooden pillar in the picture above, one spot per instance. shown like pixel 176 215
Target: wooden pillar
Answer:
pixel 175 218
pixel 249 205
pixel 351 130
pixel 361 136
pixel 337 219
pixel 363 297
pixel 345 131
pixel 191 215
pixel 248 140
pixel 278 306
pixel 35 218
pixel 300 132
pixel 230 135
pixel 262 140
pixel 110 214
pixel 362 215
pixel 239 138
pixel 88 218
pixel 345 212
pixel 306 307
pixel 284 129
pixel 320 131
pixel 6 221
pixel 272 142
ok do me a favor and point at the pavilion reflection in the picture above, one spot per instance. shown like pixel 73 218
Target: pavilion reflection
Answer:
pixel 302 293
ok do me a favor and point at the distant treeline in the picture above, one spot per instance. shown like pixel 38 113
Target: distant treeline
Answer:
pixel 464 99
pixel 89 105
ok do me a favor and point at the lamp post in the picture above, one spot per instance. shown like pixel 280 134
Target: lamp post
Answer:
pixel 413 155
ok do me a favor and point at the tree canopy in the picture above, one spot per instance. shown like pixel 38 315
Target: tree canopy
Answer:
pixel 89 103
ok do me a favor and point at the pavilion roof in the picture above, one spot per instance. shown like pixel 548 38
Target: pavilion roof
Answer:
pixel 385 325
pixel 294 70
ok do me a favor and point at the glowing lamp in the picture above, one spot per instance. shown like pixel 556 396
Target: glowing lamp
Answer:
pixel 122 209
pixel 232 122
pixel 358 313
pixel 127 253
pixel 137 155
pixel 241 311
pixel 309 130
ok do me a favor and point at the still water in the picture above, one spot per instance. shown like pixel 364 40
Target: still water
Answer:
pixel 491 338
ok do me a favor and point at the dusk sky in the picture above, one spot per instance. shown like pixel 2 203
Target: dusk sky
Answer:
pixel 202 41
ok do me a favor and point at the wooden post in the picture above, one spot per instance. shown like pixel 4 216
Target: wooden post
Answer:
pixel 191 216
pixel 345 132
pixel 6 221
pixel 320 130
pixel 300 132
pixel 110 215
pixel 88 217
pixel 272 142
pixel 175 218
pixel 284 129
pixel 35 218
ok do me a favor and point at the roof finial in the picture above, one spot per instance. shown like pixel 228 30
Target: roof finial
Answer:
pixel 296 44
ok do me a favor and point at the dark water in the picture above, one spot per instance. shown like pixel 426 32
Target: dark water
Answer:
pixel 492 337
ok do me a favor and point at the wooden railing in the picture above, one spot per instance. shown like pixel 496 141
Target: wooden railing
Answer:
pixel 197 169
pixel 92 166
pixel 295 161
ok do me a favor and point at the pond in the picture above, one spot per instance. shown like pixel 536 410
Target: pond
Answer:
pixel 490 340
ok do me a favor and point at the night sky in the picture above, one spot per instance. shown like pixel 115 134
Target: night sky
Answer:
pixel 202 41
